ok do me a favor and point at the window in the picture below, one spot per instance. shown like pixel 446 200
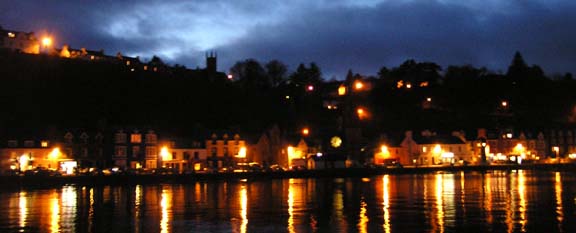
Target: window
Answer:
pixel 44 143
pixel 136 138
pixel 12 143
pixel 151 152
pixel 213 151
pixel 151 138
pixel 196 155
pixel 225 151
pixel 84 152
pixel 186 156
pixel 120 137
pixel 28 143
pixel 120 151
pixel 135 151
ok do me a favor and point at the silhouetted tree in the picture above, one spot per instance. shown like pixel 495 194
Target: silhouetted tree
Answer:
pixel 276 72
pixel 250 75
pixel 304 76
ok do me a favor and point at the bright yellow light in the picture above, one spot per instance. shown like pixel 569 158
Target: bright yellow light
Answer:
pixel 291 152
pixel 24 161
pixel 342 90
pixel 384 151
pixel 305 131
pixel 408 85
pixel 358 85
pixel 164 153
pixel 11 35
pixel 335 141
pixel 504 103
pixel 556 149
pixel 55 154
pixel 44 144
pixel 242 152
pixel 361 113
pixel 46 41
pixel 429 99
pixel 437 149
pixel 399 84
pixel 519 149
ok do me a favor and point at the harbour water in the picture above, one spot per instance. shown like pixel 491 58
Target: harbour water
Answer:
pixel 492 201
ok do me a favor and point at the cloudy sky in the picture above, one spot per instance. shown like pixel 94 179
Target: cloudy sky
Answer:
pixel 362 35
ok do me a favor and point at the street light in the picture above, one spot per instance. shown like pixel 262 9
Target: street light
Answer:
pixel 556 150
pixel 46 42
pixel 358 85
pixel 305 131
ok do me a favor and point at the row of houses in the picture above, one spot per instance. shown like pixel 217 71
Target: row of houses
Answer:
pixel 136 148
pixel 498 146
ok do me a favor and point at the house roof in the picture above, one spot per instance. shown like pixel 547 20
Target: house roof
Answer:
pixel 438 140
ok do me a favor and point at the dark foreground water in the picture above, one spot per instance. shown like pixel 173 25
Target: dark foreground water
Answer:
pixel 498 201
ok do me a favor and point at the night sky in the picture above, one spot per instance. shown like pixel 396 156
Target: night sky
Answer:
pixel 362 35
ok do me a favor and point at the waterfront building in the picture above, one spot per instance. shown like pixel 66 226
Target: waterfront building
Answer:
pixel 184 156
pixel 30 153
pixel 136 149
pixel 25 42
pixel 87 148
pixel 432 149
pixel 225 150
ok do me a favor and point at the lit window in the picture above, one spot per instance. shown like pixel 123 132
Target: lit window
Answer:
pixel 11 35
pixel 342 90
pixel 44 143
pixel 145 67
pixel 92 57
pixel 423 84
pixel 136 138
pixel 127 63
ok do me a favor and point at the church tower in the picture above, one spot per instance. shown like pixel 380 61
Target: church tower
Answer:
pixel 211 61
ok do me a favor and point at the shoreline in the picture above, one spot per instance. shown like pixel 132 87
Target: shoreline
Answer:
pixel 129 179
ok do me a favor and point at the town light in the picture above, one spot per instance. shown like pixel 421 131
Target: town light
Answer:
pixel 23 162
pixel 384 151
pixel 358 85
pixel 437 149
pixel 46 41
pixel 310 88
pixel 242 152
pixel 342 90
pixel 305 131
pixel 361 112
pixel 504 103
pixel 164 154
pixel 519 149
pixel 54 154
pixel 429 99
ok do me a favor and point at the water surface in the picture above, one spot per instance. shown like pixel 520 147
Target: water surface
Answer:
pixel 497 201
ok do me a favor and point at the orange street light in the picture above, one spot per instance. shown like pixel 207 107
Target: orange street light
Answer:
pixel 46 41
pixel 305 131
pixel 362 113
pixel 358 85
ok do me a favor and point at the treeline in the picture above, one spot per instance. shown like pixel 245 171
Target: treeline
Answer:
pixel 42 91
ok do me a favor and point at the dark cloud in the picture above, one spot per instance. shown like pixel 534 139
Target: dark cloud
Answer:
pixel 338 35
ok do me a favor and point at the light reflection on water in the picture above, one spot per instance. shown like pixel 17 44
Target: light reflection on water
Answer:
pixel 500 201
